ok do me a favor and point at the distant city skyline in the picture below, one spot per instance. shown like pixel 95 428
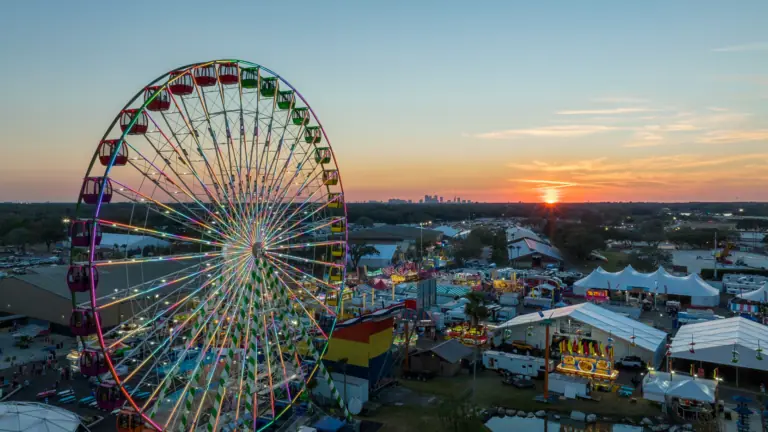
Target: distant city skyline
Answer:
pixel 512 101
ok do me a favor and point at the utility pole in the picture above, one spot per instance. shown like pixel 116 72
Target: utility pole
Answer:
pixel 715 256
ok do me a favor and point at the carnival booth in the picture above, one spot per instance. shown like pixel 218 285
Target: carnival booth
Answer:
pixel 751 303
pixel 468 335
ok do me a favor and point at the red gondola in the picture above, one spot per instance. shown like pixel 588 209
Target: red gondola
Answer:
pixel 93 363
pixel 92 189
pixel 205 76
pixel 80 233
pixel 228 73
pixel 109 397
pixel 79 278
pixel 161 102
pixel 182 84
pixel 139 127
pixel 107 150
pixel 129 421
pixel 82 322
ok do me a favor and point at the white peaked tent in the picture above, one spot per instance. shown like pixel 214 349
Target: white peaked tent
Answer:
pixel 36 417
pixel 701 293
pixel 657 386
pixel 759 295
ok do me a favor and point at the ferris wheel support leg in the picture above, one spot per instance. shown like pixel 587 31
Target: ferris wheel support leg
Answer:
pixel 329 381
pixel 283 317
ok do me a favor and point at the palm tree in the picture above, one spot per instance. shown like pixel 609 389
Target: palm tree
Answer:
pixel 476 311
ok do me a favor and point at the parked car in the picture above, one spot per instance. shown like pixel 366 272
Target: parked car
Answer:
pixel 631 362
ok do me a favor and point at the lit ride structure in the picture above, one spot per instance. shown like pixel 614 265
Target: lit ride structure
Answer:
pixel 210 227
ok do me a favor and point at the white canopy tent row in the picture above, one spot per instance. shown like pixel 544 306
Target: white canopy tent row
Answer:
pixel 659 282
pixel 663 387
pixel 750 302
pixel 736 342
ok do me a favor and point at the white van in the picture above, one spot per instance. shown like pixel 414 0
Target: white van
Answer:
pixel 516 364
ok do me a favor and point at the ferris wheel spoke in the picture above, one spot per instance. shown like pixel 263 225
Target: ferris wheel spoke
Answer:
pixel 183 111
pixel 169 212
pixel 212 372
pixel 180 153
pixel 147 323
pixel 297 230
pixel 179 257
pixel 286 267
pixel 305 245
pixel 280 199
pixel 304 260
pixel 156 233
pixel 202 324
pixel 184 188
pixel 195 331
pixel 280 214
pixel 136 291
pixel 216 146
pixel 319 302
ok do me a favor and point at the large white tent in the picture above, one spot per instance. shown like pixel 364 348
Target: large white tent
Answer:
pixel 36 417
pixel 715 341
pixel 661 386
pixel 600 323
pixel 659 282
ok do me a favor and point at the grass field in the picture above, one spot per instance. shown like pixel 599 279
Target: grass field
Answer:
pixel 491 392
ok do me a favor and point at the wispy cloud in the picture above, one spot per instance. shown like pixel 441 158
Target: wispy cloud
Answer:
pixel 734 136
pixel 620 100
pixel 717 109
pixel 623 110
pixel 565 131
pixel 754 46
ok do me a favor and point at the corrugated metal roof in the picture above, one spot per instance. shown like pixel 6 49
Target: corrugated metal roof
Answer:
pixel 619 326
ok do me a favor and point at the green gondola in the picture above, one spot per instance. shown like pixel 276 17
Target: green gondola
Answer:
pixel 330 177
pixel 313 135
pixel 285 99
pixel 268 87
pixel 323 155
pixel 249 77
pixel 300 116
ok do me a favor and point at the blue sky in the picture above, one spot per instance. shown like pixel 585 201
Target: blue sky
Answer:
pixel 493 101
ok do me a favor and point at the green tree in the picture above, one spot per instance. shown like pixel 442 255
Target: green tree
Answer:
pixel 499 251
pixel 468 248
pixel 359 250
pixel 652 232
pixel 577 240
pixel 50 231
pixel 20 237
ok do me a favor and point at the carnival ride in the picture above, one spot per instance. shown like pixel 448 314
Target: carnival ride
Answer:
pixel 225 169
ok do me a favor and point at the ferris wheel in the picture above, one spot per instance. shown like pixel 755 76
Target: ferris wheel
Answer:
pixel 210 236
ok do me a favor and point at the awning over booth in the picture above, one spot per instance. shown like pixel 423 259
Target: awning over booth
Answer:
pixel 658 282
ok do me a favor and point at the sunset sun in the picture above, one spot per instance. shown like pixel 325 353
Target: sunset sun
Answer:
pixel 550 195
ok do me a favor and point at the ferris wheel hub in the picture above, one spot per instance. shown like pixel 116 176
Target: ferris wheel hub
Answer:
pixel 258 249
